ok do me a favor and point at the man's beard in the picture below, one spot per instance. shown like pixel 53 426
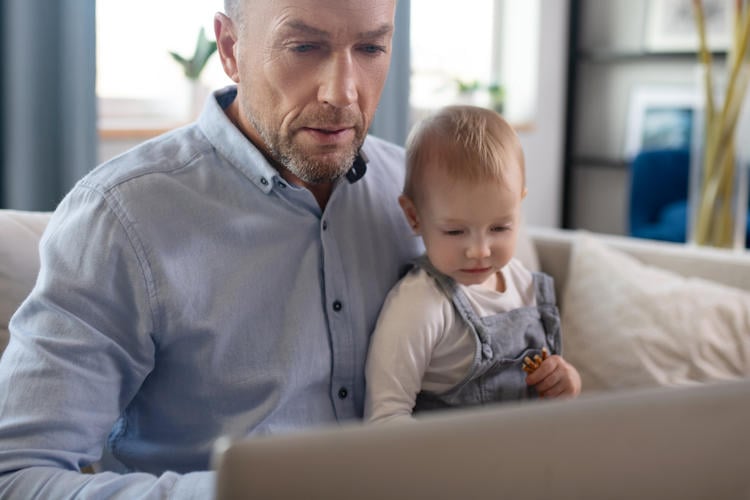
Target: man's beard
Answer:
pixel 301 163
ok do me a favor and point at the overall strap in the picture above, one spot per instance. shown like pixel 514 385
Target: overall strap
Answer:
pixel 544 287
pixel 456 295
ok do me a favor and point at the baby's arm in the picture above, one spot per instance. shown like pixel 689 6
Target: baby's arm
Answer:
pixel 555 377
pixel 400 351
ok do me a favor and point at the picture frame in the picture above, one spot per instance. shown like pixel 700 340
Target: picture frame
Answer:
pixel 660 116
pixel 671 26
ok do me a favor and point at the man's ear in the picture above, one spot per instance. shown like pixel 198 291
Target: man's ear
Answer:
pixel 524 193
pixel 410 212
pixel 226 38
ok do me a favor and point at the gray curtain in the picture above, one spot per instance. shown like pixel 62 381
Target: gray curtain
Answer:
pixel 391 121
pixel 48 136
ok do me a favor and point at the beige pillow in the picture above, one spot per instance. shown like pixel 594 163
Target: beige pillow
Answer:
pixel 628 325
pixel 19 261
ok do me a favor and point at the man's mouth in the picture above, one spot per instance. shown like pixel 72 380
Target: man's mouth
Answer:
pixel 330 129
pixel 330 134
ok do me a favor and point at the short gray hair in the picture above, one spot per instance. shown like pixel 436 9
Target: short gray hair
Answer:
pixel 232 8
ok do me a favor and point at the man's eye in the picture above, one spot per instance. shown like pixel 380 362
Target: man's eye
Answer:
pixel 453 232
pixel 500 229
pixel 373 49
pixel 303 47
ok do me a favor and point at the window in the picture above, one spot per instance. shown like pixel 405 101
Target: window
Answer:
pixel 454 45
pixel 138 84
pixel 485 55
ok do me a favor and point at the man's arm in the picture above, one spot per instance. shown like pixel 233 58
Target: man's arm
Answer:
pixel 81 346
pixel 52 482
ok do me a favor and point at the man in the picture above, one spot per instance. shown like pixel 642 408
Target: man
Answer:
pixel 222 279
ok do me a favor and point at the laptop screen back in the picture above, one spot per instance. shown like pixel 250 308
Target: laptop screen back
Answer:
pixel 676 443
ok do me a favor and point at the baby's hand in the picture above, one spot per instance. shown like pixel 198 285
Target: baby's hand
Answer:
pixel 529 365
pixel 552 376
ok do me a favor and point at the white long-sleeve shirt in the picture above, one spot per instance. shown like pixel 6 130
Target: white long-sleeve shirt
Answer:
pixel 422 343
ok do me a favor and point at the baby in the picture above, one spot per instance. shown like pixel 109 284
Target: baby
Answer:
pixel 456 329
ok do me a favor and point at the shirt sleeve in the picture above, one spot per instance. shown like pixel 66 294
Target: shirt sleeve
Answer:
pixel 81 345
pixel 410 326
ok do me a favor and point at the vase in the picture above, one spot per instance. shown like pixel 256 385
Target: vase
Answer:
pixel 718 204
pixel 718 197
pixel 198 92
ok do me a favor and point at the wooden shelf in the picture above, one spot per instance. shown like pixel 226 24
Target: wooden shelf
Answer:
pixel 605 56
pixel 599 161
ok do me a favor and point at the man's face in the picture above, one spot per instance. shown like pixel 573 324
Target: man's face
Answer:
pixel 309 76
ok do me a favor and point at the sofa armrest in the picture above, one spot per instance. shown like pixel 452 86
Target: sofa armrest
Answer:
pixel 19 260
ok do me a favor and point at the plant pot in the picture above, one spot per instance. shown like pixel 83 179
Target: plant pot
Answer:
pixel 198 92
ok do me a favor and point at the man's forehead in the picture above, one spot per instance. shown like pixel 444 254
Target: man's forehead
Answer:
pixel 305 27
pixel 326 15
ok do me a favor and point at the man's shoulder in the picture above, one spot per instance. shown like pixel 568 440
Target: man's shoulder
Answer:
pixel 163 154
pixel 385 163
pixel 381 151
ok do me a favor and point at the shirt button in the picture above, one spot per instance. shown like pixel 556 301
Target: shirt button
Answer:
pixel 325 225
pixel 487 351
pixel 337 305
pixel 343 393
pixel 264 181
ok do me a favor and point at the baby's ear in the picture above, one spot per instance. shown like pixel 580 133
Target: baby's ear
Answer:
pixel 410 212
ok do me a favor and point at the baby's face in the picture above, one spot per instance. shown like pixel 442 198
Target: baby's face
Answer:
pixel 469 228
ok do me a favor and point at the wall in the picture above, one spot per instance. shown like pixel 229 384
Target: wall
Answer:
pixel 543 142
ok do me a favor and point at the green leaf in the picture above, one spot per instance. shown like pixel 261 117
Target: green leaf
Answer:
pixel 204 49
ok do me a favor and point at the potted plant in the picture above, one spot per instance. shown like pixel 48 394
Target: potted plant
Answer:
pixel 719 211
pixel 193 67
pixel 474 92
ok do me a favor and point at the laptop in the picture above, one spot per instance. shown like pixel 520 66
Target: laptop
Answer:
pixel 668 443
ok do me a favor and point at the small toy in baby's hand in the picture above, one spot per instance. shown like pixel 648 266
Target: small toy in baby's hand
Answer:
pixel 530 365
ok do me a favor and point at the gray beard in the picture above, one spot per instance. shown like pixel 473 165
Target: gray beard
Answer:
pixel 298 163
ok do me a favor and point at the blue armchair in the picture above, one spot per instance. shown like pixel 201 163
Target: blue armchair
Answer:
pixel 659 193
pixel 659 180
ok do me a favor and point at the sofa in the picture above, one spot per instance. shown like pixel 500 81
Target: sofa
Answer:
pixel 635 313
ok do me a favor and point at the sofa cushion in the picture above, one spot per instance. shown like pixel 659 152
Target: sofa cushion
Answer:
pixel 627 325
pixel 19 261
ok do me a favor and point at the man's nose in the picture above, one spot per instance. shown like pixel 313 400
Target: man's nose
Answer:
pixel 338 86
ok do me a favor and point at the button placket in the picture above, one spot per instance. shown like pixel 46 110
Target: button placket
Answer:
pixel 343 381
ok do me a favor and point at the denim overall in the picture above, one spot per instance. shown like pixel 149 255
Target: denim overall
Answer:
pixel 503 340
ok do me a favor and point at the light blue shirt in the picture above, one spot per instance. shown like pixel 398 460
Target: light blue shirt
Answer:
pixel 186 292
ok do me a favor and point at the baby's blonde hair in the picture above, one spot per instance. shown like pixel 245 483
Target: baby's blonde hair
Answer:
pixel 471 143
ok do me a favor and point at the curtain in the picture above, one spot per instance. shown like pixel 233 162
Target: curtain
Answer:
pixel 391 121
pixel 48 137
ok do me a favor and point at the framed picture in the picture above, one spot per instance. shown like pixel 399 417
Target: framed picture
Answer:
pixel 660 116
pixel 671 25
